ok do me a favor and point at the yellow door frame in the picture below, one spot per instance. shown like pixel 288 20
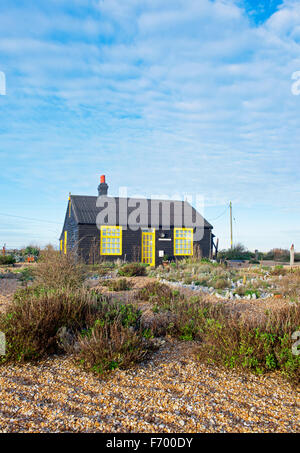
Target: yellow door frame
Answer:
pixel 146 254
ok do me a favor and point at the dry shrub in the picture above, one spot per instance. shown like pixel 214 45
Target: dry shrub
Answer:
pixel 160 295
pixel 155 290
pixel 136 253
pixel 111 345
pixel 132 270
pixel 158 324
pixel 278 270
pixel 289 285
pixel 32 320
pixel 55 270
pixel 120 284
pixel 40 322
pixel 197 253
pixel 220 283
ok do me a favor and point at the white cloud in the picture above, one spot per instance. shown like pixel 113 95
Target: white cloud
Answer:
pixel 167 88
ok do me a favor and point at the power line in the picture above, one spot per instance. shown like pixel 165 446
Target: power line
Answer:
pixel 224 212
pixel 23 231
pixel 29 218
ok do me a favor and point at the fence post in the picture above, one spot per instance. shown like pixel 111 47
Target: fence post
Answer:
pixel 292 255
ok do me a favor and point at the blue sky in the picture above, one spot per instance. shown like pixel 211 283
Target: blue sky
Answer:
pixel 165 97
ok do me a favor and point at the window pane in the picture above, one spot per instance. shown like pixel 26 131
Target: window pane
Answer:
pixel 183 241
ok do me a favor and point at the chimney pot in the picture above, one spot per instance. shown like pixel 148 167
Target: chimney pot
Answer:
pixel 103 187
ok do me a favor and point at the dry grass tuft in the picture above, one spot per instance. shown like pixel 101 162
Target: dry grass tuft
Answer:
pixel 59 271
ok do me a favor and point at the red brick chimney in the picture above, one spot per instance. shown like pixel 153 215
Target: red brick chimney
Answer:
pixel 103 187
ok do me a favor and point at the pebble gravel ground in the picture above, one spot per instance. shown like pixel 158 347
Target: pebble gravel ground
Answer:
pixel 170 393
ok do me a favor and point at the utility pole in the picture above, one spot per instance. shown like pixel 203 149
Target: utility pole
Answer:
pixel 231 239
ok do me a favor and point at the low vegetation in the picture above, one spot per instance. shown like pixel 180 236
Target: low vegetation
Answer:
pixel 107 346
pixel 120 284
pixel 57 313
pixel 33 319
pixel 59 271
pixel 132 270
pixel 239 252
pixel 7 260
pixel 258 346
pixel 160 296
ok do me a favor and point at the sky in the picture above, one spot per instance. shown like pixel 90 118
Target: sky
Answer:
pixel 169 98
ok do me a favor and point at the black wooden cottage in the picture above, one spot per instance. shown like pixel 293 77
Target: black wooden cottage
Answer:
pixel 133 229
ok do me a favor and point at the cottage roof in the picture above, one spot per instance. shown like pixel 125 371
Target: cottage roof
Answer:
pixel 177 213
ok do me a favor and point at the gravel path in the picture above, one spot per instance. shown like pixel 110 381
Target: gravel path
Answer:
pixel 171 393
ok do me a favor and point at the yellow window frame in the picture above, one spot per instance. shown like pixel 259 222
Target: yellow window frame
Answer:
pixel 106 234
pixel 181 234
pixel 145 251
pixel 65 242
pixel 61 245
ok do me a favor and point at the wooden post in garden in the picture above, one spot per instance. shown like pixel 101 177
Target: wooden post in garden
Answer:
pixel 292 255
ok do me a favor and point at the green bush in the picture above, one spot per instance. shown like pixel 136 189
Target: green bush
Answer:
pixel 132 270
pixel 258 346
pixel 7 259
pixel 160 295
pixel 111 345
pixel 238 252
pixel 31 250
pixel 109 310
pixel 26 275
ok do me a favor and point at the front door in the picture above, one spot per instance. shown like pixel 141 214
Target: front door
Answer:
pixel 148 247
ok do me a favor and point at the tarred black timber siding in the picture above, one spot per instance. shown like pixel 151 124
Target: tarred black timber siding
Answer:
pixel 167 246
pixel 89 244
pixel 71 226
pixel 89 240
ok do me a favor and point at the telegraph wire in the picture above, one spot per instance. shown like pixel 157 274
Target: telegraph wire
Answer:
pixel 29 218
pixel 223 213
